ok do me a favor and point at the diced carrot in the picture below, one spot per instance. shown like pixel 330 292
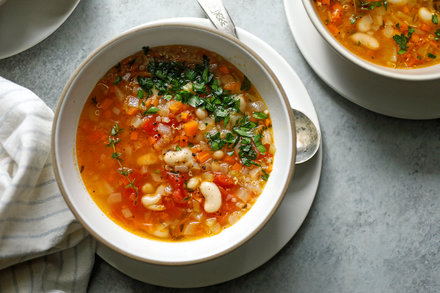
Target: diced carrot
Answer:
pixel 183 141
pixel 151 140
pixel 111 89
pixel 134 135
pixel 223 69
pixel 405 9
pixel 267 122
pixel 191 128
pixel 232 86
pixel 203 156
pixel 155 101
pixel 269 168
pixel 229 160
pixel 336 12
pixel 132 110
pixel 333 28
pixel 176 107
pixel 236 167
pixel 184 116
pixel 425 27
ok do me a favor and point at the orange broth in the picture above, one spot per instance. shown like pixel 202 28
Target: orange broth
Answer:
pixel 166 129
pixel 400 34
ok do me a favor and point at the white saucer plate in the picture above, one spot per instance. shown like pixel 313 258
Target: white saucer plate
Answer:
pixel 25 23
pixel 391 97
pixel 277 232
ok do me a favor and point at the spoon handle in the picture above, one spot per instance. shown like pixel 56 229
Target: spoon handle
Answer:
pixel 219 16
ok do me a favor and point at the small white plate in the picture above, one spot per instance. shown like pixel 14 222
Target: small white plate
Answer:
pixel 391 97
pixel 277 232
pixel 25 23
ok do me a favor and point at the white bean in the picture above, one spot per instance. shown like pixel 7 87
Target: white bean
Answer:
pixel 425 15
pixel 201 113
pixel 150 199
pixel 366 40
pixel 193 183
pixel 364 24
pixel 182 157
pixel 218 154
pixel 147 188
pixel 213 197
pixel 398 2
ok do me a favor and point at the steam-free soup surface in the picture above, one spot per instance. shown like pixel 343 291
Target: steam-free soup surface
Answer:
pixel 394 33
pixel 175 143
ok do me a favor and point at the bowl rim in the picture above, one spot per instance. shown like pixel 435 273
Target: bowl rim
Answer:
pixel 151 25
pixel 365 64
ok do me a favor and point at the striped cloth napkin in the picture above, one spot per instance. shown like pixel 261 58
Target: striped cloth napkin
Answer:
pixel 43 248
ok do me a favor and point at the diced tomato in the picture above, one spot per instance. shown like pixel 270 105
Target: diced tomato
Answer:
pixel 336 10
pixel 177 182
pixel 150 125
pixel 223 180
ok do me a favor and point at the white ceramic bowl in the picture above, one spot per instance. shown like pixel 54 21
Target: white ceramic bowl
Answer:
pixel 64 136
pixel 425 73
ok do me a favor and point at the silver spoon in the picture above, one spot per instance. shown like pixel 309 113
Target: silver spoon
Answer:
pixel 308 138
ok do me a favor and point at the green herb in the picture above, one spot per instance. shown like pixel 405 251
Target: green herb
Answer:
pixel 430 55
pixel 157 171
pixel 151 110
pixel 434 19
pixel 231 153
pixel 259 115
pixel 246 84
pixel 398 26
pixel 265 175
pixel 140 94
pixel 403 40
pixel 113 140
pixel 178 148
pixel 437 35
pixel 117 80
pixel 146 49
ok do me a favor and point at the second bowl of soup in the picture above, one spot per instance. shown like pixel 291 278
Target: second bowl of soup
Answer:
pixel 394 38
pixel 173 144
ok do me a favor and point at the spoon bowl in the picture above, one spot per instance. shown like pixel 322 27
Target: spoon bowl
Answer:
pixel 308 138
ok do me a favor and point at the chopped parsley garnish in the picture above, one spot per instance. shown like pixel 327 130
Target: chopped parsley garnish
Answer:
pixel 151 110
pixel 437 35
pixel 246 84
pixel 434 19
pixel 430 55
pixel 265 175
pixel 178 148
pixel 140 94
pixel 403 40
pixel 117 80
pixel 259 115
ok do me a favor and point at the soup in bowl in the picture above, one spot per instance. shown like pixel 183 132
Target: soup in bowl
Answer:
pixel 173 144
pixel 395 38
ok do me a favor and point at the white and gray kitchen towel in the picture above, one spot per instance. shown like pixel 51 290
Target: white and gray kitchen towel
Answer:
pixel 43 248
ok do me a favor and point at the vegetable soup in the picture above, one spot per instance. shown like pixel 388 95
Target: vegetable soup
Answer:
pixel 400 34
pixel 175 143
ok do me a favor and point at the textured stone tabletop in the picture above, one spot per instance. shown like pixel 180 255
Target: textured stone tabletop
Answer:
pixel 375 222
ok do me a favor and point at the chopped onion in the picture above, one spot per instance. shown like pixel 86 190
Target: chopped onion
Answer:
pixel 181 168
pixel 243 194
pixel 126 213
pixel 257 106
pixel 267 138
pixel 114 197
pixel 156 177
pixel 133 101
pixel 234 217
pixel 117 111
pixel 224 167
pixel 164 129
pixel 136 121
pixel 190 228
